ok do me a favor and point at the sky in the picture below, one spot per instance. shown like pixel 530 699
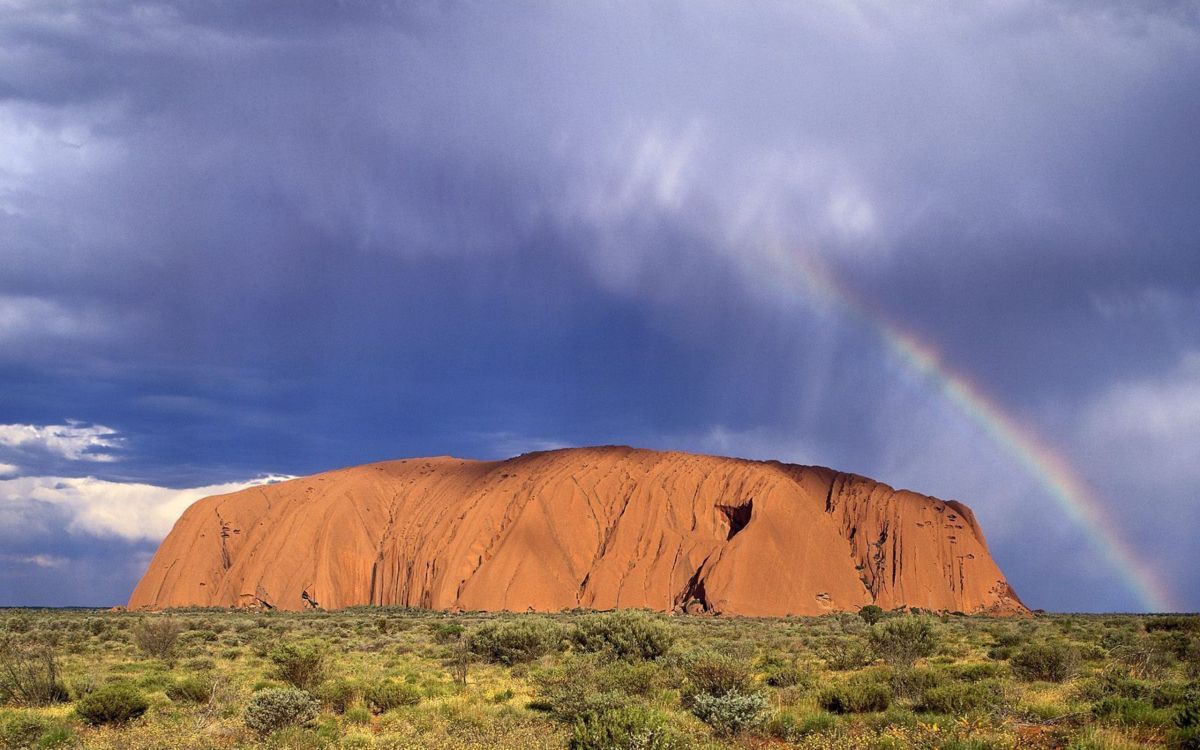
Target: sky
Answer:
pixel 953 247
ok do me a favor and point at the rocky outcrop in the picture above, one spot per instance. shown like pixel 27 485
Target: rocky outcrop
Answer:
pixel 598 528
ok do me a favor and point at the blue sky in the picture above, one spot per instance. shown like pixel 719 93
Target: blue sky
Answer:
pixel 239 241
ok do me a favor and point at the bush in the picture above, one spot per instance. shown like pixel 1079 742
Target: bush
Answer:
pixel 629 728
pixel 855 698
pixel 191 689
pixel 900 641
pixel 847 655
pixel 1144 657
pixel 788 675
pixel 446 632
pixel 785 726
pixel 1051 662
pixel 57 736
pixel 958 698
pixel 516 641
pixel 275 708
pixel 156 637
pixel 582 685
pixel 976 672
pixel 626 634
pixel 22 730
pixel 1184 739
pixel 910 683
pixel 1130 712
pixel 29 675
pixel 871 614
pixel 389 694
pixel 1186 623
pixel 338 695
pixel 112 704
pixel 1186 736
pixel 358 715
pixel 708 673
pixel 731 712
pixel 301 665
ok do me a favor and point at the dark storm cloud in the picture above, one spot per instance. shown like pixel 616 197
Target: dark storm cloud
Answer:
pixel 254 240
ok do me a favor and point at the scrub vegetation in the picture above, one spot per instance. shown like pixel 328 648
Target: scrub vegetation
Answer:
pixel 398 678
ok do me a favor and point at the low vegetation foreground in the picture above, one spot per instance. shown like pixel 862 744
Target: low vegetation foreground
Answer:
pixel 397 678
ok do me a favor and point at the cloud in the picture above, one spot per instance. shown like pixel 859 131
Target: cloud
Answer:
pixel 130 511
pixel 7 470
pixel 506 444
pixel 1147 424
pixel 74 441
pixel 41 561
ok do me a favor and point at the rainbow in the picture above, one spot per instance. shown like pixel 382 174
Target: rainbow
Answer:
pixel 1039 459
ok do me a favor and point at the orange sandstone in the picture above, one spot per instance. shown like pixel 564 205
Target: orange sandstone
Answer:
pixel 598 528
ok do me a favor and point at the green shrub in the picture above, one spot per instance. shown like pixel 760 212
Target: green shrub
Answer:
pixel 847 655
pixel 57 736
pixel 191 689
pixel 708 673
pixel 29 675
pixel 301 665
pixel 1184 738
pixel 958 698
pixel 200 664
pixel 337 695
pixel 900 641
pixel 731 712
pixel 909 682
pixel 976 672
pixel 112 704
pixel 1187 623
pixel 788 675
pixel 1143 657
pixel 1051 662
pixel 581 685
pixel 1179 644
pixel 156 637
pixel 276 708
pixel 357 715
pixel 855 697
pixel 1186 735
pixel 446 632
pixel 27 731
pixel 785 726
pixel 389 694
pixel 21 730
pixel 1110 683
pixel 628 728
pixel 1130 712
pixel 871 614
pixel 625 634
pixel 516 641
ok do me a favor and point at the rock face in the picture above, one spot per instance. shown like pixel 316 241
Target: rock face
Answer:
pixel 598 528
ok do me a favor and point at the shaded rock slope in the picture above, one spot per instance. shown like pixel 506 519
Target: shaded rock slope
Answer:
pixel 598 528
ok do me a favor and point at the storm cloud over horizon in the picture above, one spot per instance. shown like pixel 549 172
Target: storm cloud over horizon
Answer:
pixel 238 243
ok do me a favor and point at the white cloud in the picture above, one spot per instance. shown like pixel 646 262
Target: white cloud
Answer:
pixel 114 509
pixel 39 560
pixel 22 318
pixel 74 441
pixel 1152 425
pixel 506 444
pixel 7 470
